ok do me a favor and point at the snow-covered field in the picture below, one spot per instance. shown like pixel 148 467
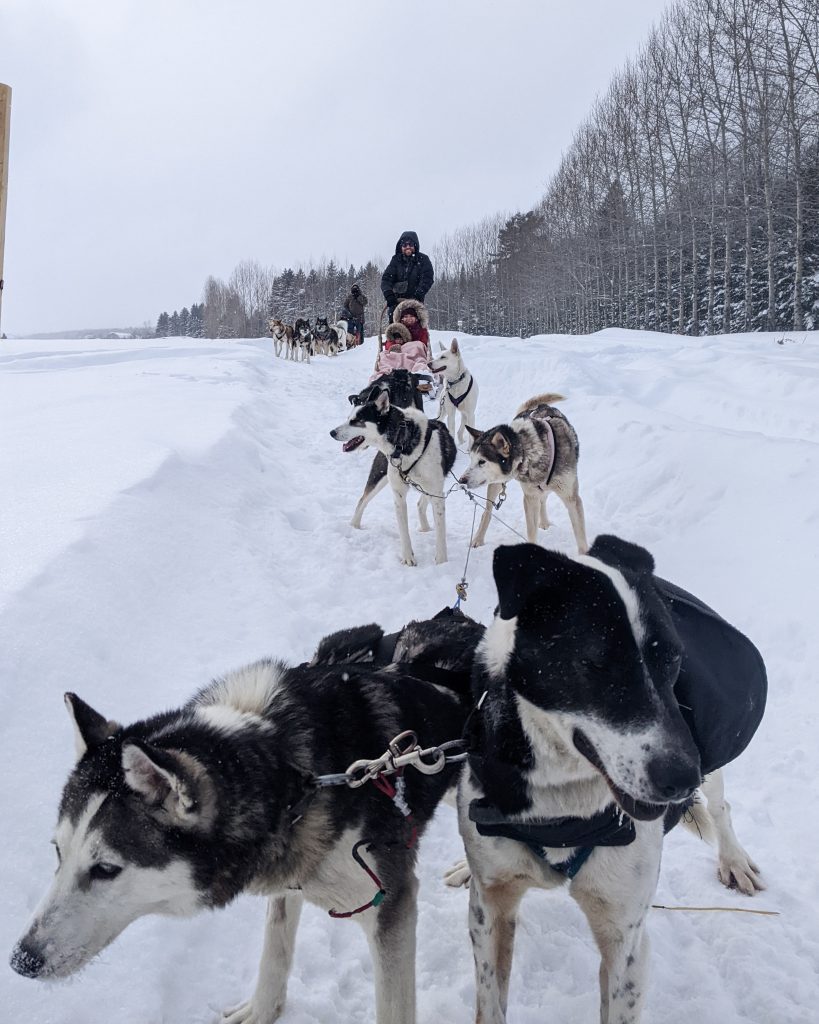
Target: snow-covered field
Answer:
pixel 175 508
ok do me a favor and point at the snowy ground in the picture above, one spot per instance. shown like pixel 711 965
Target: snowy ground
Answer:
pixel 176 508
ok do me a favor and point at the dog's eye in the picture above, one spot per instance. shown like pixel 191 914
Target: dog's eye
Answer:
pixel 104 872
pixel 481 462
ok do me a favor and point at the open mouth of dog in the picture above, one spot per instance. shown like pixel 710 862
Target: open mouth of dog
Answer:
pixel 640 810
pixel 353 443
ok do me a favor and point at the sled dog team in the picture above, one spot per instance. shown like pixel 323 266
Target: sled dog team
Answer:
pixel 300 341
pixel 594 713
pixel 538 449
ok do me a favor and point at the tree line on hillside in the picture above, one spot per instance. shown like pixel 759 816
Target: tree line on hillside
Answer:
pixel 688 202
pixel 241 306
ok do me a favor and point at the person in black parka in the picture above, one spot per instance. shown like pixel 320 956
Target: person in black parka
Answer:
pixel 409 274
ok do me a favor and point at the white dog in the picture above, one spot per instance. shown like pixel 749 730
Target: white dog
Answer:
pixel 460 389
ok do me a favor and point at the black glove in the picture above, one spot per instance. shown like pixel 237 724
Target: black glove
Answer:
pixel 390 299
pixel 420 296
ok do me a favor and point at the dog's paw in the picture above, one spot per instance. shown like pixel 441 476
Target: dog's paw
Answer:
pixel 424 528
pixel 247 1013
pixel 458 875
pixel 408 560
pixel 737 871
pixel 441 559
pixel 477 543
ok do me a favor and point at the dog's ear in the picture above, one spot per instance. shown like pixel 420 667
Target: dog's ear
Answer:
pixel 382 402
pixel 622 554
pixel 454 346
pixel 501 444
pixel 473 432
pixel 167 780
pixel 90 728
pixel 442 346
pixel 522 569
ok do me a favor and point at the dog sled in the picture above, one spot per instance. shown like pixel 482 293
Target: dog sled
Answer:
pixel 427 384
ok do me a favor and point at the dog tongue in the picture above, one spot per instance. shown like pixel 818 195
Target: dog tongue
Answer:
pixel 351 445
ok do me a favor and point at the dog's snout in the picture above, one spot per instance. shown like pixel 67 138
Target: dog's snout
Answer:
pixel 26 960
pixel 333 433
pixel 673 779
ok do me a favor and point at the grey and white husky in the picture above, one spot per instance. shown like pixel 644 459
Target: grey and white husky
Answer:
pixel 420 452
pixel 460 388
pixel 539 449
pixel 185 810
pixel 607 694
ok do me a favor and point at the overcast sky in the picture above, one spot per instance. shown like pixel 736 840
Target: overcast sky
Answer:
pixel 156 142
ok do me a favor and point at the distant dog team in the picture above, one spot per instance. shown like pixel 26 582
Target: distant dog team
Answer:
pixel 301 340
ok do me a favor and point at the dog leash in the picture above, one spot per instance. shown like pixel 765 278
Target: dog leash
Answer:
pixel 403 751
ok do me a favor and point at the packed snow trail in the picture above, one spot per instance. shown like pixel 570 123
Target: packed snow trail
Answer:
pixel 177 508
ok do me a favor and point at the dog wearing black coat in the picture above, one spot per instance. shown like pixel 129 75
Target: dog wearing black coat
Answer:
pixel 605 693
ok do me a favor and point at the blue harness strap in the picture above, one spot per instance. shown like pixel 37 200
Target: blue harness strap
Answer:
pixel 569 867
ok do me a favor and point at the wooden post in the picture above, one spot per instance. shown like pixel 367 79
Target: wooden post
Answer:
pixel 5 130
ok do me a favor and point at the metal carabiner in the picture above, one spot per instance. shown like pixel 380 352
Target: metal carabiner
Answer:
pixel 436 766
pixel 362 771
pixel 395 744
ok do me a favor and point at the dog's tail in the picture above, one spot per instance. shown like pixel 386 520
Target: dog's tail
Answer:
pixel 359 644
pixel 548 399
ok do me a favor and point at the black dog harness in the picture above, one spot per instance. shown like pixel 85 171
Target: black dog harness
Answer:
pixel 398 454
pixel 611 827
pixel 451 383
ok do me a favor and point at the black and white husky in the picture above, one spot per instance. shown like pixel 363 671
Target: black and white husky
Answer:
pixel 339 336
pixel 185 810
pixel 608 694
pixel 460 388
pixel 539 449
pixel 402 387
pixel 420 453
pixel 303 339
pixel 329 339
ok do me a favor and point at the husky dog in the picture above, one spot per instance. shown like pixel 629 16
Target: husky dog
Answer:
pixel 303 338
pixel 460 388
pixel 539 449
pixel 322 337
pixel 185 810
pixel 402 387
pixel 420 452
pixel 339 337
pixel 282 338
pixel 607 692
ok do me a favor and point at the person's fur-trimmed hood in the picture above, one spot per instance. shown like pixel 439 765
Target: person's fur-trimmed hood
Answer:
pixel 398 332
pixel 417 307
